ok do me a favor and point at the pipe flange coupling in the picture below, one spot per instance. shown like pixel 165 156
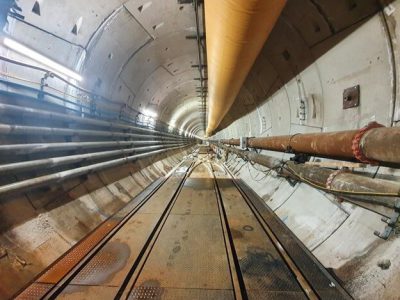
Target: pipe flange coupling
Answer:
pixel 356 143
pixel 332 177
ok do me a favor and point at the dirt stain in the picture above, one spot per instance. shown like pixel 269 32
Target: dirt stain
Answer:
pixel 236 234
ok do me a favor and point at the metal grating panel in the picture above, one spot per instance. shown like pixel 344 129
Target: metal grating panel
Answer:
pixel 35 291
pixel 322 282
pixel 146 292
pixel 72 258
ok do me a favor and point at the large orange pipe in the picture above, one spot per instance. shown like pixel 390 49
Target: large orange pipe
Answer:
pixel 236 31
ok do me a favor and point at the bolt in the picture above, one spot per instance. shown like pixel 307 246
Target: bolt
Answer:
pixel 384 264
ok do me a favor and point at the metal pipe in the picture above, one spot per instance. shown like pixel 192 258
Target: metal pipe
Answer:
pixel 95 96
pixel 19 149
pixel 236 32
pixel 21 111
pixel 200 57
pixel 369 145
pixel 59 177
pixel 59 161
pixel 351 185
pixel 15 62
pixel 36 130
pixel 382 144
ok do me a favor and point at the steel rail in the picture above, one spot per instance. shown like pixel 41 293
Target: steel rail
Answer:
pixel 125 290
pixel 302 277
pixel 238 284
pixel 125 214
pixel 61 285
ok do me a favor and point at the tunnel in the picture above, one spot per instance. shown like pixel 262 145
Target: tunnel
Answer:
pixel 199 149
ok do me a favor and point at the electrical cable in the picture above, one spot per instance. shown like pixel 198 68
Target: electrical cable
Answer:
pixel 241 167
pixel 316 185
pixel 284 165
pixel 262 178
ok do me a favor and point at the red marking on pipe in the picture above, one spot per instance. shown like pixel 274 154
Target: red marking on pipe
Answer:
pixel 356 144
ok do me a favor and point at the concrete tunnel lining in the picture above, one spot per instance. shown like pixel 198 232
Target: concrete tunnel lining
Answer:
pixel 137 53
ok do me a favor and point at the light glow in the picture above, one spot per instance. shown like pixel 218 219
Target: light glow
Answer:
pixel 21 49
pixel 171 127
pixel 150 113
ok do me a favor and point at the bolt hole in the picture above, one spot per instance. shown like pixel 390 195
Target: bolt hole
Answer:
pixel 317 28
pixel 286 55
pixel 352 5
pixel 36 8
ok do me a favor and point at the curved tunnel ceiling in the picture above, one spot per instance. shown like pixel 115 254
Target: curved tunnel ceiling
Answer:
pixel 134 52
pixel 137 51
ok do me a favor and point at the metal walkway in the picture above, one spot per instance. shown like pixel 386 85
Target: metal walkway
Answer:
pixel 197 234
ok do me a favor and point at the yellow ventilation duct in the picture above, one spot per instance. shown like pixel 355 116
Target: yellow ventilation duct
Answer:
pixel 236 31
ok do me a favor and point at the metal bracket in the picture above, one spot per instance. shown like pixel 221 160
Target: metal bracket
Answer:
pixel 292 182
pixel 392 222
pixel 351 97
pixel 43 84
pixel 300 158
pixel 243 142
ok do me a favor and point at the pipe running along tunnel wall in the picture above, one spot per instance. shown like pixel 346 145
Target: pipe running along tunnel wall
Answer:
pixel 236 31
pixel 278 72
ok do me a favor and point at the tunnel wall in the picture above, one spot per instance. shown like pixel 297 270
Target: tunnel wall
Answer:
pixel 38 227
pixel 338 233
pixel 317 49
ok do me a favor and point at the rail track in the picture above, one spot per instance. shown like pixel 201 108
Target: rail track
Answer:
pixel 198 233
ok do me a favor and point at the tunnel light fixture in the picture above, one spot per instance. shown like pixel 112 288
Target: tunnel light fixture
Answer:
pixel 150 113
pixel 21 49
pixel 171 128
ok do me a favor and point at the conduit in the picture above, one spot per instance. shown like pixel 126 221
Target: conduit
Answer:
pixel 59 161
pixel 371 144
pixel 358 187
pixel 59 177
pixel 37 130
pixel 49 115
pixel 20 149
pixel 236 31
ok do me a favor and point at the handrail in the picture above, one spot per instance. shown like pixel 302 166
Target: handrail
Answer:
pixel 53 75
pixel 158 124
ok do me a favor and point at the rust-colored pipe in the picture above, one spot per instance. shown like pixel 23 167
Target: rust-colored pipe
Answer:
pixel 337 144
pixel 371 144
pixel 329 179
pixel 236 31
